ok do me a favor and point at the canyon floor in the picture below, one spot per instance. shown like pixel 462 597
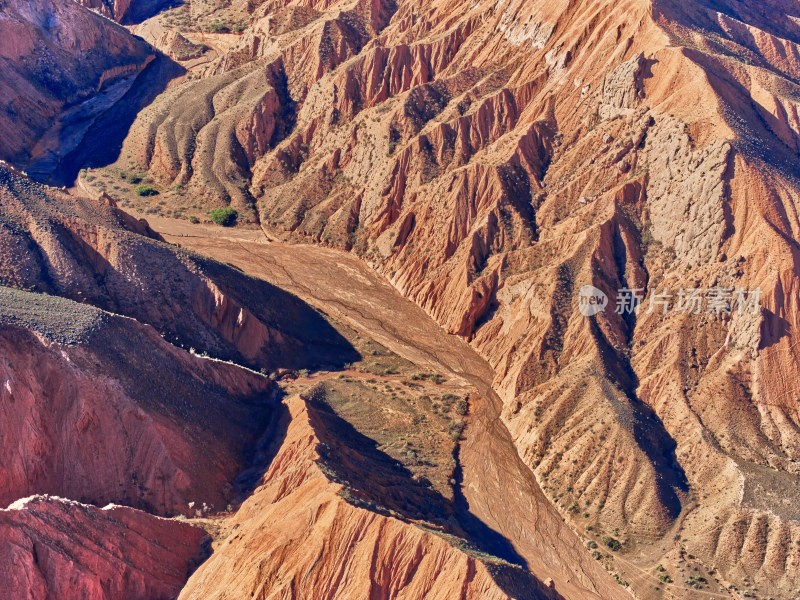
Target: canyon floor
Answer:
pixel 498 488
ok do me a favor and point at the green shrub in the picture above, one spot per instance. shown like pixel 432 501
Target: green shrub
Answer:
pixel 449 398
pixel 225 217
pixel 696 581
pixel 611 542
pixel 194 220
pixel 456 430
pixel 146 190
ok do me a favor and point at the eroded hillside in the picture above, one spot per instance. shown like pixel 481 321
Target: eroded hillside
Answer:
pixel 490 159
pixel 110 553
pixel 103 407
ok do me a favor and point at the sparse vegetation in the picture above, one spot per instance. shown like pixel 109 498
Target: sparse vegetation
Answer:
pixel 456 429
pixel 133 178
pixel 218 28
pixel 226 217
pixel 612 543
pixel 146 190
pixel 434 377
pixel 696 581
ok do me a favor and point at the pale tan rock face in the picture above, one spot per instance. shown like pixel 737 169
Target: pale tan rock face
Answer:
pixel 490 159
pixel 56 548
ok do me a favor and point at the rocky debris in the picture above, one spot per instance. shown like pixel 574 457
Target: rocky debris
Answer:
pixel 57 319
pixel 623 88
pixel 56 548
pixel 687 193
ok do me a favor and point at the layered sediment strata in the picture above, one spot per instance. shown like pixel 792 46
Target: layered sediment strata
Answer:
pixel 100 408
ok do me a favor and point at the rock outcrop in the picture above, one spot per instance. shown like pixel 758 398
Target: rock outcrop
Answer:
pixel 300 536
pixel 56 548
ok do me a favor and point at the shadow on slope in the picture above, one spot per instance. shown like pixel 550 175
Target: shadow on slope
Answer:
pixel 261 455
pixel 78 249
pixel 377 482
pixel 619 383
pixel 145 9
pixel 103 141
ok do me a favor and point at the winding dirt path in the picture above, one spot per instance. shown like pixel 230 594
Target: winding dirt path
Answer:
pixel 501 491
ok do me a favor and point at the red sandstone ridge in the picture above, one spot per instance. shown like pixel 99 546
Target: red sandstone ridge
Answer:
pixel 101 409
pixel 299 536
pixel 55 548
pixel 491 158
pixel 94 253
